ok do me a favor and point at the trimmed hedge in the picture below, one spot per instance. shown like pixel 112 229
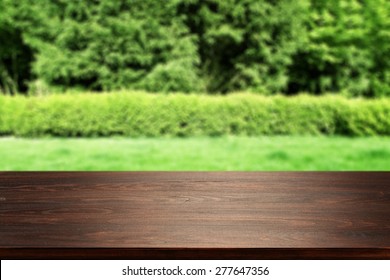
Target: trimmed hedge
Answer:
pixel 140 114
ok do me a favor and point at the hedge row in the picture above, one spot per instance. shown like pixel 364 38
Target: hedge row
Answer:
pixel 139 114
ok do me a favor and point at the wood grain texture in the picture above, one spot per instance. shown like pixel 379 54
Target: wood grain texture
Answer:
pixel 203 215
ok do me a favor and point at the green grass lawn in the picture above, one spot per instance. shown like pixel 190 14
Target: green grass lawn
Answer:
pixel 225 153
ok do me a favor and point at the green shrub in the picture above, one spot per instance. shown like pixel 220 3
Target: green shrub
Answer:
pixel 218 46
pixel 140 114
pixel 247 44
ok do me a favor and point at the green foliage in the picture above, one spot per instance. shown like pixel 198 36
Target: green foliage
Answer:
pixel 109 45
pixel 245 44
pixel 15 55
pixel 217 46
pixel 377 17
pixel 138 114
pixel 345 50
pixel 335 57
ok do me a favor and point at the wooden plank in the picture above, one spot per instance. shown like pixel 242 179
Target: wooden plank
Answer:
pixel 185 215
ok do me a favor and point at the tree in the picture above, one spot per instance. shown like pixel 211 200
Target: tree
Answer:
pixel 245 44
pixel 377 17
pixel 266 46
pixel 106 45
pixel 15 55
pixel 335 57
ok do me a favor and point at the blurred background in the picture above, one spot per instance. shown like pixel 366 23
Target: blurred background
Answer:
pixel 195 85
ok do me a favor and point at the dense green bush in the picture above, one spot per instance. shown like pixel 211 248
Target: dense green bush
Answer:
pixel 15 55
pixel 172 45
pixel 377 17
pixel 245 44
pixel 138 114
pixel 346 43
pixel 336 56
pixel 263 46
pixel 109 45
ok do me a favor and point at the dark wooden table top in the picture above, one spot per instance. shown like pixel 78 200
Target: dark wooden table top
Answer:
pixel 195 215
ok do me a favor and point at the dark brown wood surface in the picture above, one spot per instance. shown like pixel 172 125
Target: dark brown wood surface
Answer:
pixel 195 215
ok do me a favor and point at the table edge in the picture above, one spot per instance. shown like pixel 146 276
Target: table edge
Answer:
pixel 196 253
